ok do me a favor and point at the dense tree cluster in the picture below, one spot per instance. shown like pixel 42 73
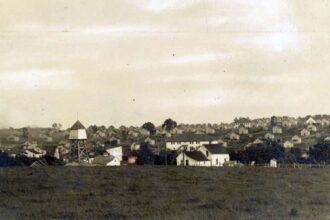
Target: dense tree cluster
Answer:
pixel 169 124
pixel 320 153
pixel 149 127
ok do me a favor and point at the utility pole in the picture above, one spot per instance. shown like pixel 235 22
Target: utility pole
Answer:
pixel 165 156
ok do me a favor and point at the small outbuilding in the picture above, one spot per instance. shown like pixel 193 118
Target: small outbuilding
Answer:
pixel 273 163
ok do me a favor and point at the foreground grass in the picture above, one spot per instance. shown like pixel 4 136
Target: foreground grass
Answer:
pixel 164 193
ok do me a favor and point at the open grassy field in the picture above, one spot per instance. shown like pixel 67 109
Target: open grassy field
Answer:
pixel 143 192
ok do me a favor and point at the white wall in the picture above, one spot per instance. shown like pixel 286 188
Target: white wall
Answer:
pixel 116 152
pixel 222 158
pixel 192 162
pixel 78 134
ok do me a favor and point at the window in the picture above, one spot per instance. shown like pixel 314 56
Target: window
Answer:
pixel 187 162
pixel 217 161
pixel 207 153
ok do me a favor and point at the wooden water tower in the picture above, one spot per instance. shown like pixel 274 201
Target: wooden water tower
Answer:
pixel 78 137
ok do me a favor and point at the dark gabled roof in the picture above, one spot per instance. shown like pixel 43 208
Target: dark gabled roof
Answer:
pixel 187 137
pixel 196 155
pixel 216 148
pixel 77 126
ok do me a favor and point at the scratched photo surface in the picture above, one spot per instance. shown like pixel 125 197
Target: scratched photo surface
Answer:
pixel 164 109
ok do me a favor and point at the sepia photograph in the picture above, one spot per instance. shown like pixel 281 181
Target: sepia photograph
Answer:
pixel 165 109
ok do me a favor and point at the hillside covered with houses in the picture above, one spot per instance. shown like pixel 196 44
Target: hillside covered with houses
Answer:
pixel 245 141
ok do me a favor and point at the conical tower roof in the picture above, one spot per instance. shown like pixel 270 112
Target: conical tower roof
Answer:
pixel 77 126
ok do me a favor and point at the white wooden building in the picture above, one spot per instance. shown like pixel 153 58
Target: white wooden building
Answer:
pixel 312 128
pixel 296 139
pixel 305 132
pixel 310 121
pixel 277 130
pixel 234 136
pixel 243 130
pixel 273 163
pixel 216 153
pixel 288 144
pixel 192 158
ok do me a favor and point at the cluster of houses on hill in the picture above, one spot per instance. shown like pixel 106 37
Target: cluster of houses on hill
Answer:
pixel 195 145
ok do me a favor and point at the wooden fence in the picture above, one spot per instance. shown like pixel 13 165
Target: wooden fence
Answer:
pixel 294 165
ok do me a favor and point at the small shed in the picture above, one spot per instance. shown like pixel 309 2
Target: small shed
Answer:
pixel 273 163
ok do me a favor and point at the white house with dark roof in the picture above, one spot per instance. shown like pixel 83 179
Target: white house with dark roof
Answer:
pixel 216 153
pixel 305 132
pixel 287 124
pixel 296 139
pixel 312 127
pixel 245 122
pixel 233 136
pixel 324 122
pixel 192 158
pixel 176 131
pixel 310 121
pixel 243 130
pixel 269 136
pixel 288 144
pixel 258 141
pixel 277 130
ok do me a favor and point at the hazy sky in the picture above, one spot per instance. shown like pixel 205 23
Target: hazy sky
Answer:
pixel 132 61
